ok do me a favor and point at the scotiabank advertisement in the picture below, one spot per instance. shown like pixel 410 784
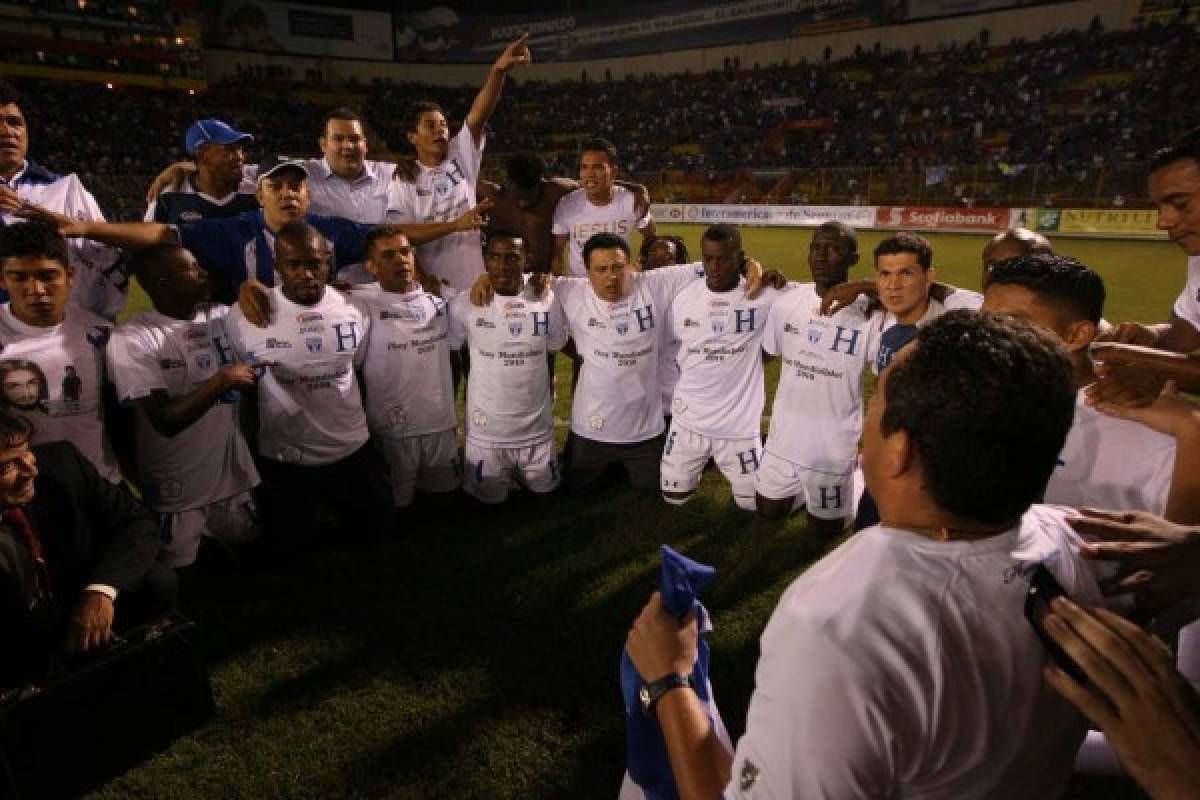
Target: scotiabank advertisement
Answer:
pixel 965 219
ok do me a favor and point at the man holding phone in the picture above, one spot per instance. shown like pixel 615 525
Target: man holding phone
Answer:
pixel 901 665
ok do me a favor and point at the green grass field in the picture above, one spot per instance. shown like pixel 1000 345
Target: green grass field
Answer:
pixel 475 654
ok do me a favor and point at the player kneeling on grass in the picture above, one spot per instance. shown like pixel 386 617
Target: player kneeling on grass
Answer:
pixel 616 317
pixel 174 365
pixel 718 402
pixel 312 428
pixel 407 383
pixel 510 400
pixel 817 417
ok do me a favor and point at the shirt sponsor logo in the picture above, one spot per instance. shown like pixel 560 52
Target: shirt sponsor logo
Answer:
pixel 171 363
pixel 814 334
pixel 516 323
pixel 688 322
pixel 190 216
pixel 312 329
pixel 203 361
pixel 483 323
pixel 308 317
pixel 748 776
pixel 278 344
pixel 313 343
pixel 414 314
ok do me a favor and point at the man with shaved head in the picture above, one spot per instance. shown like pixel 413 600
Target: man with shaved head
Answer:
pixel 174 365
pixel 312 437
pixel 1012 243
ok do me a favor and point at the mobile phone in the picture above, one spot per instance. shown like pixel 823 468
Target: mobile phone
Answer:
pixel 1043 588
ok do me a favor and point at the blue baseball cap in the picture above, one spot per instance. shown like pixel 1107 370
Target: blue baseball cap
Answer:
pixel 212 131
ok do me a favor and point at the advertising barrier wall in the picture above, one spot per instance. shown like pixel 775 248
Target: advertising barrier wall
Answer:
pixel 1131 222
pixel 1113 223
pixel 802 216
pixel 955 219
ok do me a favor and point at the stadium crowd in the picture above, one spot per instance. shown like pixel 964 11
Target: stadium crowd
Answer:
pixel 1085 100
pixel 313 319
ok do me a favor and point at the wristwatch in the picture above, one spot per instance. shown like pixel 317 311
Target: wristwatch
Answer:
pixel 650 693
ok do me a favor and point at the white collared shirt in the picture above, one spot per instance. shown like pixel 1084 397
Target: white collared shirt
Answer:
pixel 364 199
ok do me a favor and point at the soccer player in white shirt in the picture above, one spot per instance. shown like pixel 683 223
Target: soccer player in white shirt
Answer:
pixel 52 345
pixel 905 279
pixel 599 205
pixel 99 283
pixel 1107 462
pixel 447 174
pixel 409 393
pixel 312 436
pixel 905 276
pixel 718 402
pixel 525 203
pixel 1174 186
pixel 510 400
pixel 617 320
pixel 656 252
pixel 173 363
pixel 940 296
pixel 1118 458
pixel 816 420
pixel 901 665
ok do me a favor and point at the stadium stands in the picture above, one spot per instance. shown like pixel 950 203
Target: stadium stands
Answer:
pixel 1064 120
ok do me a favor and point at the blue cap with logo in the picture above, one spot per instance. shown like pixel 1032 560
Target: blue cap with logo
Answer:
pixel 212 131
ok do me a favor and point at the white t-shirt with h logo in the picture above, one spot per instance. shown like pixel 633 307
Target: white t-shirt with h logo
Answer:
pixel 618 398
pixel 442 194
pixel 510 401
pixel 310 410
pixel 720 391
pixel 817 417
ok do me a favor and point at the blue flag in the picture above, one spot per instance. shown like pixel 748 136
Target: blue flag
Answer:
pixel 646 758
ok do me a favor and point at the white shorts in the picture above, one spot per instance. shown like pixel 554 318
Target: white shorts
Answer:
pixel 827 495
pixel 428 462
pixel 488 471
pixel 686 453
pixel 234 519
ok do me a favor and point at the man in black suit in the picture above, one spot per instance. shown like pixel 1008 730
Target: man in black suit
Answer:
pixel 79 557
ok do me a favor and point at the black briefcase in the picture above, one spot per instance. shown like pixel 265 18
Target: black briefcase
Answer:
pixel 120 707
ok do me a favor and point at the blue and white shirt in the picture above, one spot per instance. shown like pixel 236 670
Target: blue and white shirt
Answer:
pixel 234 248
pixel 100 280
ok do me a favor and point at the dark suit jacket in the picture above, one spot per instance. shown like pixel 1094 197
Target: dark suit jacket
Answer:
pixel 92 531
